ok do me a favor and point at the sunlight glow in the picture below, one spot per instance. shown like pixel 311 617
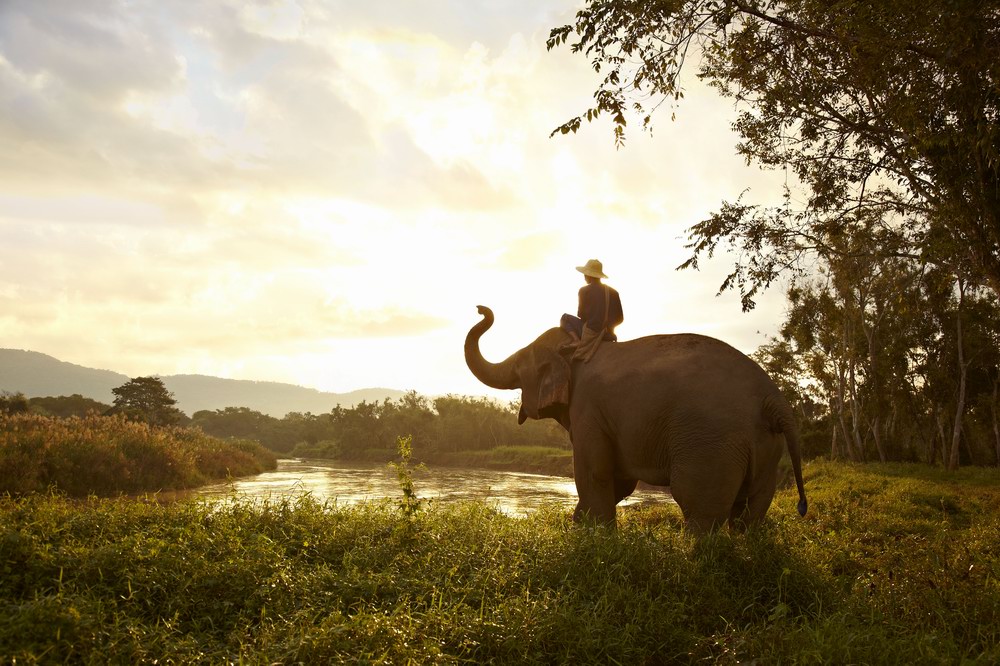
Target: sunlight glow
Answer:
pixel 322 194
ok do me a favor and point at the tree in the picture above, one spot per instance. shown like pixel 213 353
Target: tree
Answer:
pixel 147 399
pixel 13 403
pixel 65 406
pixel 887 113
pixel 897 359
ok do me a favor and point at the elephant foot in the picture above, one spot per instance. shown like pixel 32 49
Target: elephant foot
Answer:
pixel 702 525
pixel 586 516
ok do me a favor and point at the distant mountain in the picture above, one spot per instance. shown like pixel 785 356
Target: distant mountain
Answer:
pixel 39 375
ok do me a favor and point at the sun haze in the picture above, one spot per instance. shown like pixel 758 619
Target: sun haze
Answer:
pixel 321 193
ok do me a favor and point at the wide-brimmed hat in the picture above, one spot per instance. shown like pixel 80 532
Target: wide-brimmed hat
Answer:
pixel 593 268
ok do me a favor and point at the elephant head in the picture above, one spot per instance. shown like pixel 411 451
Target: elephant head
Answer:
pixel 539 370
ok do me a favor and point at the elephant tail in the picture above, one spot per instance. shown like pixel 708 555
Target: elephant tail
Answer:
pixel 779 413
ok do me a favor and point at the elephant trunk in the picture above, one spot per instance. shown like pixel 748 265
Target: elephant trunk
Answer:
pixel 495 375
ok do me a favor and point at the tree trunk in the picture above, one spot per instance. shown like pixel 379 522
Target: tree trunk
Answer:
pixel 967 441
pixel 846 365
pixel 916 415
pixel 939 417
pixel 856 415
pixel 873 380
pixel 890 429
pixel 956 435
pixel 840 413
pixel 876 433
pixel 996 420
pixel 833 443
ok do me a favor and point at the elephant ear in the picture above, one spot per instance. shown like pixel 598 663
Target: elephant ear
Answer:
pixel 553 390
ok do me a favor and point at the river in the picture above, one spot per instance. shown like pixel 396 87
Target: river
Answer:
pixel 513 493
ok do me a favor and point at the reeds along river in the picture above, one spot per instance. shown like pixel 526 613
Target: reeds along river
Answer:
pixel 512 492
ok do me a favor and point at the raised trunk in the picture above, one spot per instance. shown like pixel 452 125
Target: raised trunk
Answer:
pixel 495 375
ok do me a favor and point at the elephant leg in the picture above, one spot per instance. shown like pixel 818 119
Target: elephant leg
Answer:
pixel 760 499
pixel 593 471
pixel 624 488
pixel 739 514
pixel 700 525
pixel 750 510
pixel 760 489
pixel 706 494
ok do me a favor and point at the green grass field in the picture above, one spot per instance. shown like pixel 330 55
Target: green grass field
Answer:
pixel 894 564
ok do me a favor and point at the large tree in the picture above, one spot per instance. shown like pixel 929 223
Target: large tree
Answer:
pixel 147 399
pixel 886 112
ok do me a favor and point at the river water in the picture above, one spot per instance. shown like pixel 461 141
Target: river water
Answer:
pixel 513 493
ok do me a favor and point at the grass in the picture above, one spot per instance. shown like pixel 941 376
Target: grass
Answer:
pixel 110 455
pixel 893 564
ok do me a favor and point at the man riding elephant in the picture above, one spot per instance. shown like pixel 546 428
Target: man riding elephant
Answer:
pixel 598 313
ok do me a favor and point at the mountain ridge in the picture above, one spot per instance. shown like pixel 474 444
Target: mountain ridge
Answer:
pixel 36 374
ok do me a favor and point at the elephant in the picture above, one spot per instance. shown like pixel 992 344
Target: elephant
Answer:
pixel 682 410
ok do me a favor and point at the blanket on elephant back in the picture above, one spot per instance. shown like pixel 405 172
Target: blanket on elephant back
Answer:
pixel 589 342
pixel 590 339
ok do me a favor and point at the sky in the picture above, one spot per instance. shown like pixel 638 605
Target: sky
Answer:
pixel 321 192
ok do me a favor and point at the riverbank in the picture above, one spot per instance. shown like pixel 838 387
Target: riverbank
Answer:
pixel 547 460
pixel 893 564
pixel 527 459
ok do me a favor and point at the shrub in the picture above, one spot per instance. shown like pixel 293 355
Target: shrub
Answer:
pixel 109 455
pixel 322 449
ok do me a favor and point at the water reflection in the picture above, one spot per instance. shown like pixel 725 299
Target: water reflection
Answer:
pixel 513 493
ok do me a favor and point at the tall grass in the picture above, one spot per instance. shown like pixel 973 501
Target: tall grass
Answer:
pixel 893 565
pixel 110 455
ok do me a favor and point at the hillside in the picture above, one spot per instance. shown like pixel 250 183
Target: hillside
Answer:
pixel 38 375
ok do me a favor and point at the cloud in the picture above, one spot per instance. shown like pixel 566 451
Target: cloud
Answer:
pixel 186 100
pixel 529 252
pixel 56 141
pixel 48 40
pixel 258 186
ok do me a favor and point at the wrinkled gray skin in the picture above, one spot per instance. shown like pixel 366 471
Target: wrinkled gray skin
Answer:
pixel 685 410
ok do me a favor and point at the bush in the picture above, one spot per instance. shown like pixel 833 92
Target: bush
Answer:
pixel 109 455
pixel 328 449
pixel 67 405
pixel 13 403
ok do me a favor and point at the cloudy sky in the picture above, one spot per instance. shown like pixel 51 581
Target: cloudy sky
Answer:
pixel 321 191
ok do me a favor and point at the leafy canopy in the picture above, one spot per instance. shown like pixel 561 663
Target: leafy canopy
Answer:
pixel 147 399
pixel 885 112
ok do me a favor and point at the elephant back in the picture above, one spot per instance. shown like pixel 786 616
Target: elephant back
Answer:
pixel 681 354
pixel 675 368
